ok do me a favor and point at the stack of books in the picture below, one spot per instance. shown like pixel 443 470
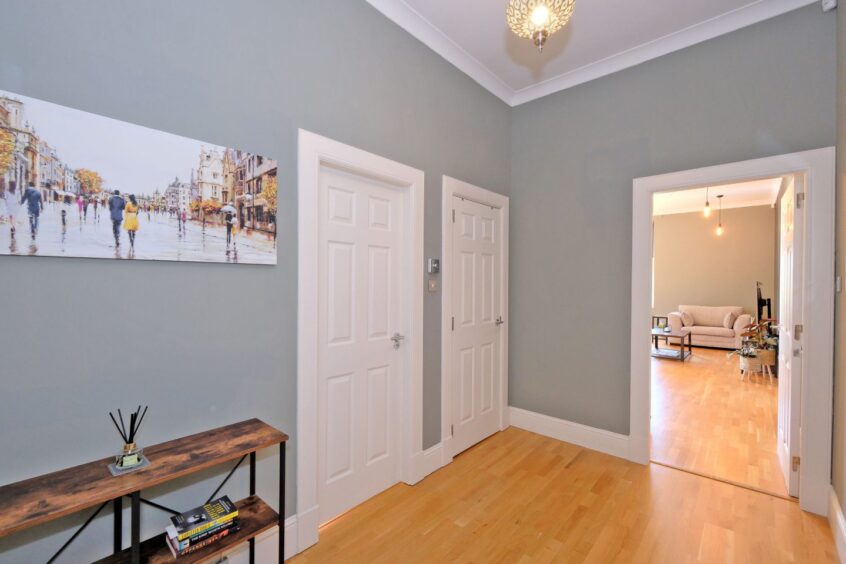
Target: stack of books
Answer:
pixel 200 527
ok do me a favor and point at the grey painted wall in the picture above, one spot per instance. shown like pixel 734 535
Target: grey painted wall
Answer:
pixel 839 450
pixel 81 337
pixel 764 90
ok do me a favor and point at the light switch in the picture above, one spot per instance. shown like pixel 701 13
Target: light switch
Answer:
pixel 433 285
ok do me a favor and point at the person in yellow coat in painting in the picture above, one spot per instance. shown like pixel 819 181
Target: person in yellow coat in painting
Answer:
pixel 130 220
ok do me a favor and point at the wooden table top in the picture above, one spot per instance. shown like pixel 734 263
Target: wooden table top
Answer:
pixel 658 332
pixel 44 498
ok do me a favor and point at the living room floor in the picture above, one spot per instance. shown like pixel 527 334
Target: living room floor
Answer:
pixel 706 420
pixel 522 497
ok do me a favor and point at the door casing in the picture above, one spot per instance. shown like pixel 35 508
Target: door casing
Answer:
pixel 818 168
pixel 315 153
pixel 451 188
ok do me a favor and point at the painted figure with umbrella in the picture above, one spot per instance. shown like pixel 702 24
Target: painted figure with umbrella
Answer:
pixel 230 215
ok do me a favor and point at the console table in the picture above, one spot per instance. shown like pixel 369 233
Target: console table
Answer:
pixel 38 500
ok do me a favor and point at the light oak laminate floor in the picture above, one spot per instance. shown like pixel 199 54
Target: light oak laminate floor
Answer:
pixel 521 497
pixel 705 419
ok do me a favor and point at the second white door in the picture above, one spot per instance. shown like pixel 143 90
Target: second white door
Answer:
pixel 360 351
pixel 476 284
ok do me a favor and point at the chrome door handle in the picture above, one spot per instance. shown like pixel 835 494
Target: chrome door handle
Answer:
pixel 397 339
pixel 499 320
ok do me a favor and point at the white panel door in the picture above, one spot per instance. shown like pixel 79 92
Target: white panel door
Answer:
pixel 361 246
pixel 476 301
pixel 790 343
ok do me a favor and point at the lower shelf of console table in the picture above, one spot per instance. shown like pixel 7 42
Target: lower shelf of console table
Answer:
pixel 256 517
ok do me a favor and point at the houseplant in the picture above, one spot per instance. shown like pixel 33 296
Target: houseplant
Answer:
pixel 758 346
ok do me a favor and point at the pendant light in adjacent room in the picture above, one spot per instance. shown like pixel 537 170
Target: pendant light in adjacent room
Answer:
pixel 707 210
pixel 720 224
pixel 538 19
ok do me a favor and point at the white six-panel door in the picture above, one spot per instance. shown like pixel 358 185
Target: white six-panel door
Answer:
pixel 790 343
pixel 475 266
pixel 360 310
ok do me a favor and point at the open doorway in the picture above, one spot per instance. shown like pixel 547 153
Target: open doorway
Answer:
pixel 805 455
pixel 717 277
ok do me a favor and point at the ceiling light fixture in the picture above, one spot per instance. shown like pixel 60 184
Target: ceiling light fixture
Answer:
pixel 720 224
pixel 707 211
pixel 538 19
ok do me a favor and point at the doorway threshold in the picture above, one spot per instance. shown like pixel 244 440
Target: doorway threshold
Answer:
pixel 723 480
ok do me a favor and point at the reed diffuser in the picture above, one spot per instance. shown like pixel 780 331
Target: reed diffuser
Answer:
pixel 131 457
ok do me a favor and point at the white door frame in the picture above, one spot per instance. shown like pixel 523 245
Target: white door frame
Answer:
pixel 453 187
pixel 316 152
pixel 817 361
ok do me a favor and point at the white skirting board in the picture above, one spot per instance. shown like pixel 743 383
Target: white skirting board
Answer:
pixel 838 524
pixel 266 545
pixel 428 461
pixel 600 440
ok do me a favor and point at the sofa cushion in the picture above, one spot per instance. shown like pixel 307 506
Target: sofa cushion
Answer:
pixel 687 319
pixel 728 320
pixel 712 331
pixel 709 315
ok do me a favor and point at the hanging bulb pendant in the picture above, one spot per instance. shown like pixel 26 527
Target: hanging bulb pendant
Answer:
pixel 707 211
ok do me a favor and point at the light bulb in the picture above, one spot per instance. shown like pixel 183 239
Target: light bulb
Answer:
pixel 707 211
pixel 719 230
pixel 540 16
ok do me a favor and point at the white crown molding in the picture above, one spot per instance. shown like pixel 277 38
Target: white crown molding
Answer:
pixel 421 28
pixel 697 33
pixel 411 21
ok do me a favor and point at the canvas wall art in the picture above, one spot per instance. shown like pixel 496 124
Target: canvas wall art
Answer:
pixel 75 184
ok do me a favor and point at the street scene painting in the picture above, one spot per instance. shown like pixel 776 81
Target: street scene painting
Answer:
pixel 75 184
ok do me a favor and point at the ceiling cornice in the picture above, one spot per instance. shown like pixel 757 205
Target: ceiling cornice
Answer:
pixel 418 26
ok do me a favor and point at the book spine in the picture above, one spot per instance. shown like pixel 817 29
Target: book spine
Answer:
pixel 173 549
pixel 207 526
pixel 205 534
pixel 208 541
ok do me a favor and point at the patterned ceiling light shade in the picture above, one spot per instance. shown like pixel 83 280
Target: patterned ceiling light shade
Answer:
pixel 538 19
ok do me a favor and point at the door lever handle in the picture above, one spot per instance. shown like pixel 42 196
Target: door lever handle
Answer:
pixel 397 339
pixel 499 320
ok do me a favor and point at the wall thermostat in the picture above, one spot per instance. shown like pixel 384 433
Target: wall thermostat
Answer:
pixel 433 266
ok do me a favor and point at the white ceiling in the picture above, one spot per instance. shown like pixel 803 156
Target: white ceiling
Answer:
pixel 741 195
pixel 603 36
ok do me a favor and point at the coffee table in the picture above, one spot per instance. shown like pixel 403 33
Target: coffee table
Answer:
pixel 672 354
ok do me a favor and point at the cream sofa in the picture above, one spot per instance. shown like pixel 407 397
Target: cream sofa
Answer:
pixel 709 327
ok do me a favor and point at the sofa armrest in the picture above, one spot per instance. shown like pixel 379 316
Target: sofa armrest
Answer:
pixel 675 320
pixel 741 322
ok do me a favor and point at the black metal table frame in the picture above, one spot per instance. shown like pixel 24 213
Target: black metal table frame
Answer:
pixel 137 500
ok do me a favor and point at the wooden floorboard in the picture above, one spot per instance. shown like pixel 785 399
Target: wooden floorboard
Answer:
pixel 522 497
pixel 706 420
